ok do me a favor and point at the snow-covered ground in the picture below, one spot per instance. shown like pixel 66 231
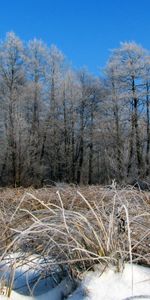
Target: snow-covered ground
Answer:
pixel 111 285
pixel 132 283
pixel 58 293
pixel 30 275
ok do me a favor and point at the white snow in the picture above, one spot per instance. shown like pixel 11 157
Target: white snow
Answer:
pixel 111 285
pixel 134 280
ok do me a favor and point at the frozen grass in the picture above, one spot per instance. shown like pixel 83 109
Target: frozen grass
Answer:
pixel 76 227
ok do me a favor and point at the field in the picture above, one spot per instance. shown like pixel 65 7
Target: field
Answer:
pixel 75 228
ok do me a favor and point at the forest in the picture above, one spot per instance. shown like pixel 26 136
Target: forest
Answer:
pixel 74 174
pixel 60 124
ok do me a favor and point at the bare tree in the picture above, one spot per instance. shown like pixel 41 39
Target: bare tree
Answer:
pixel 58 124
pixel 13 80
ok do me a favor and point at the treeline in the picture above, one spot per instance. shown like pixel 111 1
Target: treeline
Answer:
pixel 59 124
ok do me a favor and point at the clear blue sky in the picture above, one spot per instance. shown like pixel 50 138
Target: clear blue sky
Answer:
pixel 85 30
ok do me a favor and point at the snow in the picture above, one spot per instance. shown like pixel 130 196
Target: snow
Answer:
pixel 112 285
pixel 28 278
pixel 134 280
pixel 57 293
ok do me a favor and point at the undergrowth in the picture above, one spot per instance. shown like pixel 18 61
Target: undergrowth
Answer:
pixel 76 227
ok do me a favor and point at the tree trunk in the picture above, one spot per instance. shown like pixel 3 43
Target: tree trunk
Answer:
pixel 81 146
pixel 148 130
pixel 91 143
pixel 65 137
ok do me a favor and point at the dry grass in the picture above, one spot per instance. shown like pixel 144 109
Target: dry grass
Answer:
pixel 77 226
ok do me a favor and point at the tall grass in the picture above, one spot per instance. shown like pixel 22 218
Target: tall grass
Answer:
pixel 76 227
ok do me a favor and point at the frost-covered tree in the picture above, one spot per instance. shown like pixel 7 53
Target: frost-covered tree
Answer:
pixel 128 63
pixel 61 124
pixel 50 150
pixel 146 101
pixel 36 62
pixel 12 77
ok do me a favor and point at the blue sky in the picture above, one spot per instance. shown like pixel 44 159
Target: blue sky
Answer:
pixel 85 30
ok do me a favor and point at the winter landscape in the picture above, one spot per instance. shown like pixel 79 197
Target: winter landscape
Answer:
pixel 74 150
